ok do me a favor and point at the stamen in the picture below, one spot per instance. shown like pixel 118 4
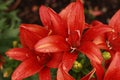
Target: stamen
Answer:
pixel 38 58
pixel 108 44
pixel 50 32
pixel 78 31
pixel 113 30
pixel 72 49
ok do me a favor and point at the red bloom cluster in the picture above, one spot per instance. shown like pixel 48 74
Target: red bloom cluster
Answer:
pixel 63 37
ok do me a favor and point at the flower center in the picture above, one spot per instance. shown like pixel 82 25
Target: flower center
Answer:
pixel 72 49
pixel 108 44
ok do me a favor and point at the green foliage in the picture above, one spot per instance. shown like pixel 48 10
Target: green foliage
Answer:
pixel 83 69
pixel 9 38
pixel 4 4
pixel 9 23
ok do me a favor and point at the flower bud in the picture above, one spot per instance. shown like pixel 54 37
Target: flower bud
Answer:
pixel 15 44
pixel 106 55
pixel 7 72
pixel 77 66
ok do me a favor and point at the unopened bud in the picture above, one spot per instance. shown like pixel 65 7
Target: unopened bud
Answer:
pixel 15 44
pixel 77 66
pixel 106 55
pixel 7 72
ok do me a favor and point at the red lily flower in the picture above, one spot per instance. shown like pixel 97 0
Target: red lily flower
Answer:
pixel 110 41
pixel 32 61
pixel 113 47
pixel 112 73
pixel 57 44
pixel 114 37
pixel 65 37
pixel 99 39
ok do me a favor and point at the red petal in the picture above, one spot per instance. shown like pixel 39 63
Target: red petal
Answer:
pixel 52 44
pixel 99 70
pixel 76 20
pixel 45 16
pixel 115 21
pixel 91 33
pixel 89 75
pixel 100 41
pixel 44 74
pixel 74 39
pixel 91 51
pixel 62 74
pixel 95 23
pixel 56 59
pixel 115 44
pixel 53 21
pixel 19 53
pixel 30 34
pixel 64 13
pixel 113 72
pixel 27 68
pixel 69 59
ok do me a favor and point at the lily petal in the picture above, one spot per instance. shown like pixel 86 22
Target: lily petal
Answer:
pixel 113 72
pixel 96 22
pixel 56 59
pixel 30 34
pixel 76 20
pixel 26 69
pixel 64 13
pixel 91 33
pixel 115 44
pixel 44 74
pixel 52 43
pixel 74 39
pixel 91 51
pixel 100 41
pixel 99 70
pixel 45 16
pixel 62 74
pixel 89 75
pixel 69 59
pixel 19 53
pixel 53 21
pixel 115 21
